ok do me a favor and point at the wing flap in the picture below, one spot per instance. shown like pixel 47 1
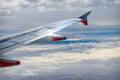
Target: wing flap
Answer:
pixel 8 45
pixel 4 44
pixel 22 38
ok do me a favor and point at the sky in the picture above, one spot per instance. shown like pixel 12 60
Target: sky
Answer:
pixel 89 53
pixel 26 14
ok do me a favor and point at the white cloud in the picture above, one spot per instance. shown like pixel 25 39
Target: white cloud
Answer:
pixel 63 57
pixel 46 65
pixel 87 2
pixel 56 62
pixel 54 5
pixel 9 5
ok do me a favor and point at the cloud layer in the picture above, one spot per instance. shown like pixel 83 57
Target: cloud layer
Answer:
pixel 27 14
pixel 7 6
pixel 52 5
pixel 94 55
pixel 41 62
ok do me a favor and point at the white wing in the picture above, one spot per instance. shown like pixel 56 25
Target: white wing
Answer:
pixel 9 43
pixel 15 41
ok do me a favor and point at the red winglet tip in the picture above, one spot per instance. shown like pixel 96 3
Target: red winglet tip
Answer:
pixel 85 22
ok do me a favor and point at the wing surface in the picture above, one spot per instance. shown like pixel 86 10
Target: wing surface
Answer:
pixel 12 42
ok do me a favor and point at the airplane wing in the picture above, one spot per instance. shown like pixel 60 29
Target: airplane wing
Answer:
pixel 12 42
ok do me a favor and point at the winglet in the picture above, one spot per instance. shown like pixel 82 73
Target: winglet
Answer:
pixel 84 18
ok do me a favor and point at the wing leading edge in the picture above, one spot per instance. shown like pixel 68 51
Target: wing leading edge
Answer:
pixel 12 42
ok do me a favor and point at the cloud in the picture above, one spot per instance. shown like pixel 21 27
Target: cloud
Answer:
pixel 72 56
pixel 75 60
pixel 93 64
pixel 7 6
pixel 54 5
pixel 37 12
